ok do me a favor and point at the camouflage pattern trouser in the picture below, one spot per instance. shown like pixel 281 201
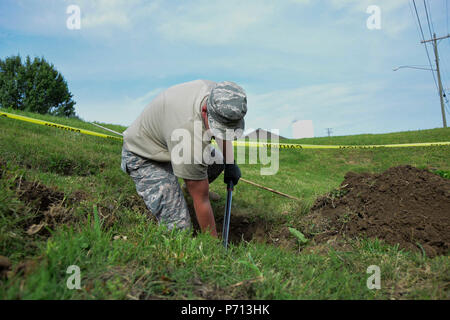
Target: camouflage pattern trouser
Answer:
pixel 159 187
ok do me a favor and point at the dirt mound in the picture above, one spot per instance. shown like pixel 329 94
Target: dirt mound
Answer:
pixel 403 205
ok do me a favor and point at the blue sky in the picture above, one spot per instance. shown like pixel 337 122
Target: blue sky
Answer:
pixel 296 59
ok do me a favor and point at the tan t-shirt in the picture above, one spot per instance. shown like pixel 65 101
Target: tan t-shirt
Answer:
pixel 154 135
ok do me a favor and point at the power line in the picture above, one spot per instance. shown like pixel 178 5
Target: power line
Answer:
pixel 435 40
pixel 443 62
pixel 431 19
pixel 426 48
pixel 428 19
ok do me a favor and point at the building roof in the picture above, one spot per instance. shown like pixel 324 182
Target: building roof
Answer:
pixel 261 134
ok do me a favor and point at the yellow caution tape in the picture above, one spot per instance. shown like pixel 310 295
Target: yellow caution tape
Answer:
pixel 56 125
pixel 235 143
pixel 311 146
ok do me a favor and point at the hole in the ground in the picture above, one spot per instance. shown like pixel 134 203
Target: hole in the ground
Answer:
pixel 242 227
pixel 245 228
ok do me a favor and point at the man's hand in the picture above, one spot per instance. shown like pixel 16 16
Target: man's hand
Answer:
pixel 232 173
pixel 199 191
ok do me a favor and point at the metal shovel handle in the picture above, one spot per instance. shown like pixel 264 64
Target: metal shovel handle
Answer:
pixel 226 218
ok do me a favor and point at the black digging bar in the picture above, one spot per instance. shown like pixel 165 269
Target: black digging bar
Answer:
pixel 226 218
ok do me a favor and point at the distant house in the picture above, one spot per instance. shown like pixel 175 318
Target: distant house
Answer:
pixel 261 134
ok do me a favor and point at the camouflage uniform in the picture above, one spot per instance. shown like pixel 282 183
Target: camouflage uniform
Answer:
pixel 159 187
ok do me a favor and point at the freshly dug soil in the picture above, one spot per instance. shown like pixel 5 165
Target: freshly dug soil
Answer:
pixel 403 205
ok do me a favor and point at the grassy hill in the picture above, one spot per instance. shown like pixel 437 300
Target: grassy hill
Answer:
pixel 65 201
pixel 429 135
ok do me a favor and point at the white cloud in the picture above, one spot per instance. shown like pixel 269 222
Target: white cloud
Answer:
pixel 122 14
pixel 215 22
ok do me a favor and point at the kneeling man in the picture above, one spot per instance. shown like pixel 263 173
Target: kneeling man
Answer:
pixel 188 115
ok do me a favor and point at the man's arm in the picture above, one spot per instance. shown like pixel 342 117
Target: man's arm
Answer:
pixel 199 191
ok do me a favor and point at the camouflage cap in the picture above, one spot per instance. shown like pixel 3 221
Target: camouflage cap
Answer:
pixel 227 106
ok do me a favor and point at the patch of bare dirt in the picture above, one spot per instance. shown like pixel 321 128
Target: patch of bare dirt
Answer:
pixel 403 205
pixel 50 207
pixel 38 195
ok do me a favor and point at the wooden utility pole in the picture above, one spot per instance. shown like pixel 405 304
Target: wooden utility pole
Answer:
pixel 441 91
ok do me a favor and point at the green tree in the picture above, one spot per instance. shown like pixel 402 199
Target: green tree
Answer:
pixel 34 86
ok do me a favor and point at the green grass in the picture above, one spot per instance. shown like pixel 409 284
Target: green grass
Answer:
pixel 152 262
